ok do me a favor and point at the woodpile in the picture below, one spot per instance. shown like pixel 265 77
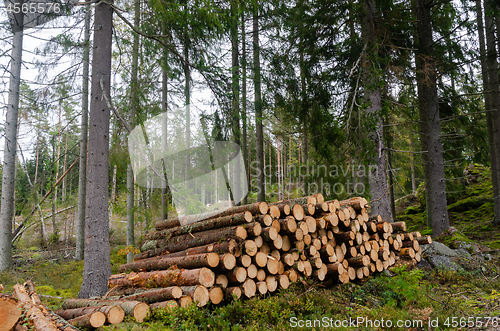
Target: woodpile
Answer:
pixel 258 249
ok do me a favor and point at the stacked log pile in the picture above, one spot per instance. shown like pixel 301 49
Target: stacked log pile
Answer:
pixel 260 248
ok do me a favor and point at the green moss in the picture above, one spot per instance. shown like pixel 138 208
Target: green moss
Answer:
pixel 494 244
pixel 421 194
pixel 454 240
pixel 469 204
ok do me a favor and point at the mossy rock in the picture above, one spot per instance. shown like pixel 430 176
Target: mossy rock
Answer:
pixel 469 204
pixel 494 244
pixel 454 240
pixel 413 210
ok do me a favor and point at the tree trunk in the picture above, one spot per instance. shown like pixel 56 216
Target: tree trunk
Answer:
pixel 261 188
pixel 430 123
pixel 97 265
pixel 244 143
pixel 235 120
pixel 494 94
pixel 82 177
pixel 134 103
pixel 165 199
pixel 152 295
pixel 372 92
pixel 10 146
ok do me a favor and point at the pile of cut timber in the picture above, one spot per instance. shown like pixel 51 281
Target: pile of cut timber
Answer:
pixel 260 248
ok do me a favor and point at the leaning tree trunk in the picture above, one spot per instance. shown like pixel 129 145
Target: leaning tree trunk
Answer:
pixel 492 65
pixel 430 123
pixel 377 179
pixel 97 265
pixel 9 154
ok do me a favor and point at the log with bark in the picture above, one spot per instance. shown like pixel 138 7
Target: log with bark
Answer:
pixel 136 309
pixel 114 314
pixel 164 278
pixel 92 320
pixel 185 241
pixel 163 262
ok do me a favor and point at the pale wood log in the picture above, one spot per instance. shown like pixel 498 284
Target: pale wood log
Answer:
pixel 136 309
pixel 357 203
pixel 283 281
pixel 249 288
pixel 258 241
pixel 185 301
pixel 298 212
pixel 228 246
pixel 261 287
pixel 198 293
pixel 250 247
pixel 10 311
pixel 253 229
pixel 114 314
pixel 272 283
pixel 252 271
pixel 228 261
pixel 288 225
pixel 92 320
pixel 168 304
pixel 276 224
pixel 222 281
pixel 237 275
pixel 245 260
pixel 265 220
pixel 261 275
pixel 233 292
pixel 274 212
pixel 278 242
pixel 34 313
pixel 216 295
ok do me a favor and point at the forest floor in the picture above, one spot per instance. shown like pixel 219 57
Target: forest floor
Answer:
pixel 417 299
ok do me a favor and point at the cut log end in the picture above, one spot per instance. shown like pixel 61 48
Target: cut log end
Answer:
pixel 9 312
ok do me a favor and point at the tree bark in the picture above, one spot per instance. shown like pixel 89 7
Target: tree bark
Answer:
pixel 261 188
pixel 97 265
pixel 10 146
pixel 33 312
pixel 492 133
pixel 82 176
pixel 244 143
pixel 430 123
pixel 494 94
pixel 372 93
pixel 134 103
